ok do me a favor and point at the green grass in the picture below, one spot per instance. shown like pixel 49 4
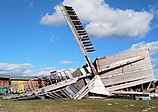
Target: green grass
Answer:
pixel 84 105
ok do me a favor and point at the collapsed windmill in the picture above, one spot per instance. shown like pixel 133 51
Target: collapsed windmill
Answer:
pixel 127 73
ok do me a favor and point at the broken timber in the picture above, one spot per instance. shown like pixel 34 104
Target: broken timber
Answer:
pixel 126 73
pixel 125 70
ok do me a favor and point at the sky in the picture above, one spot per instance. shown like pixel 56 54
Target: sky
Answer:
pixel 35 38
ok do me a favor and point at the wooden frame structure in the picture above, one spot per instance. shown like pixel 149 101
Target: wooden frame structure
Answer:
pixel 125 73
pixel 128 69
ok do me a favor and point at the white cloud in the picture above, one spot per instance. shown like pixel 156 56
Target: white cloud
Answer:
pixel 27 72
pixel 156 69
pixel 152 46
pixel 103 20
pixel 56 18
pixel 51 39
pixel 31 4
pixel 66 62
pixel 24 70
pixel 154 60
pixel 15 69
pixel 154 10
pixel 45 71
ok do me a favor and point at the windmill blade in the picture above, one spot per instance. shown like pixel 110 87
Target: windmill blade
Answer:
pixel 77 28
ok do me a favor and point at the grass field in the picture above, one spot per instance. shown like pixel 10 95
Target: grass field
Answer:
pixel 84 105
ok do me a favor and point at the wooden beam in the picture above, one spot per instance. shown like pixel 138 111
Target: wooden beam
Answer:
pixel 148 86
pixel 129 84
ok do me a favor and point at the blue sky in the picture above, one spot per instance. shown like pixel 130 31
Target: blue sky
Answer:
pixel 35 39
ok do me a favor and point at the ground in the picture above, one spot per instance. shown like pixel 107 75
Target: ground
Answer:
pixel 84 105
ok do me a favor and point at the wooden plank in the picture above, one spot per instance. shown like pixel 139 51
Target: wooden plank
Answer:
pixel 127 54
pixel 131 72
pixel 114 58
pixel 124 70
pixel 103 64
pixel 144 62
pixel 106 75
pixel 121 63
pixel 126 77
pixel 77 73
pixel 130 84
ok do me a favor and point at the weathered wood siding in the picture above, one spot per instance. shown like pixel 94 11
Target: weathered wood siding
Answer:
pixel 128 75
pixel 4 83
